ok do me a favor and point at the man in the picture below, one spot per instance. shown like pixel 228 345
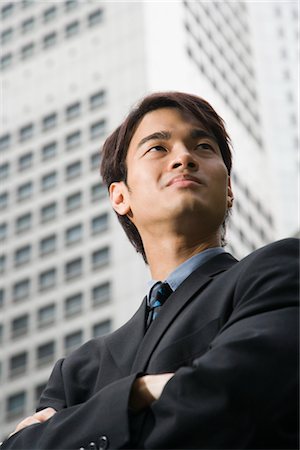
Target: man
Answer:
pixel 214 365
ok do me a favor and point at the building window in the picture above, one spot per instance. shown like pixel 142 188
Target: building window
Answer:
pixel 22 255
pixel 99 223
pixel 46 315
pixel 19 326
pixel 18 364
pixel 73 140
pixel 95 17
pixel 15 405
pixel 73 305
pixel 97 99
pixel 49 40
pixel 25 161
pixel 101 293
pixel 100 257
pixel 73 170
pixel 49 14
pixel 72 29
pixel 73 341
pixel 47 245
pixel 48 212
pixel 21 290
pixel 6 35
pixel 49 181
pixel 73 234
pixel 1 298
pixel 101 328
pixel 26 132
pixel 25 191
pixel 73 111
pixel 47 279
pixel 7 10
pixel 73 201
pixel 3 200
pixel 26 3
pixel 73 268
pixel 4 171
pixel 49 121
pixel 49 150
pixel 45 353
pixel 70 4
pixel 27 51
pixel 2 263
pixel 3 231
pixel 95 159
pixel 5 61
pixel 27 25
pixel 97 129
pixel 4 142
pixel 98 192
pixel 23 222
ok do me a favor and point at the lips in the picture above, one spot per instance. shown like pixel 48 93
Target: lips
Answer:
pixel 184 179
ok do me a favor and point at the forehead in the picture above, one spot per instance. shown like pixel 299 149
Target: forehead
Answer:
pixel 167 119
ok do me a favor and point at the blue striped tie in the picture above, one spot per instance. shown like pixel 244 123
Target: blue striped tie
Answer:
pixel 159 294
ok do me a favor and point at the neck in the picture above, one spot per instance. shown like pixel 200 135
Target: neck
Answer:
pixel 168 252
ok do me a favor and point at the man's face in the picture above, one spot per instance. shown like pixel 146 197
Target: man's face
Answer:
pixel 175 175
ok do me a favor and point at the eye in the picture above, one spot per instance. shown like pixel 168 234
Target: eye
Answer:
pixel 156 148
pixel 205 146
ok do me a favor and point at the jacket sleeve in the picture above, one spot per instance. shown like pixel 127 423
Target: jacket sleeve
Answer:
pixel 76 426
pixel 241 393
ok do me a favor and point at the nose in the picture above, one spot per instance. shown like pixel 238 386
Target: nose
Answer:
pixel 184 159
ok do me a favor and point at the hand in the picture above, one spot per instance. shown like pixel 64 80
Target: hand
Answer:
pixel 146 389
pixel 38 417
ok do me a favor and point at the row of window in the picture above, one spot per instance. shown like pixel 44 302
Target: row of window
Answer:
pixel 21 290
pixel 255 202
pixel 47 245
pixel 214 54
pixel 48 278
pixel 72 170
pixel 9 8
pixel 72 140
pixel 242 237
pixel 48 15
pixel 47 315
pixel 48 41
pixel 229 98
pixel 45 354
pixel 49 211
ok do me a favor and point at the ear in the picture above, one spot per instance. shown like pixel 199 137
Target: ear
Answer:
pixel 230 197
pixel 119 197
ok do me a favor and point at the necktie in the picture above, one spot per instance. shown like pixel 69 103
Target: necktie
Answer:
pixel 159 294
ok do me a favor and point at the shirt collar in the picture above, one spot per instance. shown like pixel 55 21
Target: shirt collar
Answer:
pixel 181 272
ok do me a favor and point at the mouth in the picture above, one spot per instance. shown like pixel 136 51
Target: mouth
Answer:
pixel 184 181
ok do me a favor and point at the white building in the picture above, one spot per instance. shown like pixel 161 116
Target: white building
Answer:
pixel 70 72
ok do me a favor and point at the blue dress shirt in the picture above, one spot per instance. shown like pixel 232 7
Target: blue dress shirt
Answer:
pixel 186 268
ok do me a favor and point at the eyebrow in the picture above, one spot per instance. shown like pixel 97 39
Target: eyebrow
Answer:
pixel 163 135
pixel 196 133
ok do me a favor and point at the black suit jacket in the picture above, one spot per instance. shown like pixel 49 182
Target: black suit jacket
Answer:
pixel 229 332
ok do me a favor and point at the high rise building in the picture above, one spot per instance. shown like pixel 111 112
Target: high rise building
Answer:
pixel 70 72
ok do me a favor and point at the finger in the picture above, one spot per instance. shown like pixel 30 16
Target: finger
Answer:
pixel 25 423
pixel 44 414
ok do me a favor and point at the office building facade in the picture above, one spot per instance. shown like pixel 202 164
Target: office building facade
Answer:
pixel 70 72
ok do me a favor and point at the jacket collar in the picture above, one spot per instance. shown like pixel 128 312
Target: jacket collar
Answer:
pixel 177 301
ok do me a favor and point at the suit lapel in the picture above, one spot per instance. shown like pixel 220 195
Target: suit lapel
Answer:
pixel 177 301
pixel 123 343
